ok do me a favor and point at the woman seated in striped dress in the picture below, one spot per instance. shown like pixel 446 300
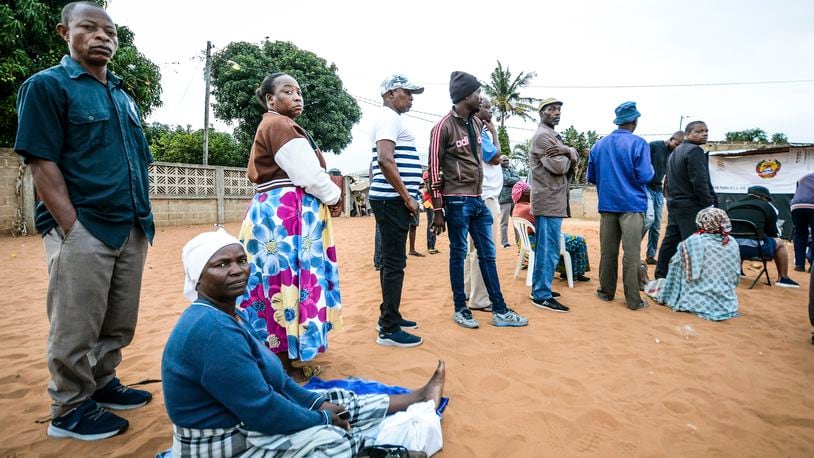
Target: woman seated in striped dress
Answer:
pixel 225 391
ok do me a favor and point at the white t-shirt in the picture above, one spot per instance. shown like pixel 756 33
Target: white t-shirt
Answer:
pixel 389 126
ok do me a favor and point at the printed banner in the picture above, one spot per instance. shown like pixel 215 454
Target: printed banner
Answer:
pixel 779 172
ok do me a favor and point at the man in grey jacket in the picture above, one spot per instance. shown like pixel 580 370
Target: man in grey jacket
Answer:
pixel 551 164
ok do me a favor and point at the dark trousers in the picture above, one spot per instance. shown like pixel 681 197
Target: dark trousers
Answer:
pixel 680 225
pixel 393 220
pixel 430 233
pixel 803 220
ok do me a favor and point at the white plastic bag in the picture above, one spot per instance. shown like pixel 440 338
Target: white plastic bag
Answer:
pixel 418 428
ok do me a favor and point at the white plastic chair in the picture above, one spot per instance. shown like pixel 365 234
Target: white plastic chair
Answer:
pixel 566 258
pixel 523 227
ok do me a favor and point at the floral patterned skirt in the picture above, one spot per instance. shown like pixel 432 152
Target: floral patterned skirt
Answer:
pixel 293 290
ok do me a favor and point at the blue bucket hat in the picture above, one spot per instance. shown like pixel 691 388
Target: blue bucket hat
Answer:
pixel 626 113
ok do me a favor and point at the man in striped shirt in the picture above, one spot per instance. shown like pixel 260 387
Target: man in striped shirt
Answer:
pixel 395 182
pixel 456 177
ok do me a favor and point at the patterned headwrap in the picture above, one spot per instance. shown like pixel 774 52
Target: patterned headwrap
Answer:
pixel 709 221
pixel 518 189
pixel 714 221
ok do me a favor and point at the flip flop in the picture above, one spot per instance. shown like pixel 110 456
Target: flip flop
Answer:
pixel 416 253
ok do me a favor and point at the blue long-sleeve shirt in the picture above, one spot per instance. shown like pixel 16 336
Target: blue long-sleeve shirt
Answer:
pixel 619 166
pixel 217 374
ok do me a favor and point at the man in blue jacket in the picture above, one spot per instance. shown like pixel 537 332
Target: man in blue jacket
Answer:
pixel 619 166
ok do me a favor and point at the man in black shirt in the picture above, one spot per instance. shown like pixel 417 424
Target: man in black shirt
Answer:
pixel 688 190
pixel 756 207
pixel 659 151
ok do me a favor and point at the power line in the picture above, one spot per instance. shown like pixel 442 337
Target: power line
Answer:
pixel 659 85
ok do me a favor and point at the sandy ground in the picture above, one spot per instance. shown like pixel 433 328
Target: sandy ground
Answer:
pixel 599 381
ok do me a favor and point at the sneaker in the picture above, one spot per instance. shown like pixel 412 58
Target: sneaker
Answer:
pixel 553 294
pixel 398 339
pixel 787 282
pixel 509 318
pixel 116 396
pixel 87 422
pixel 506 245
pixel 433 251
pixel 465 320
pixel 549 304
pixel 603 296
pixel 403 324
pixel 651 261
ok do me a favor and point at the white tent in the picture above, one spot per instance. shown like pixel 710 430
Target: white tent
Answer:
pixel 777 168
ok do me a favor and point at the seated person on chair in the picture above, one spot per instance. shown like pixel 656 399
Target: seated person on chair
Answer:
pixel 226 393
pixel 574 244
pixel 703 274
pixel 756 207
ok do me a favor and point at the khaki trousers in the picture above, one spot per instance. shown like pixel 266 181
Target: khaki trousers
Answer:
pixel 92 304
pixel 627 228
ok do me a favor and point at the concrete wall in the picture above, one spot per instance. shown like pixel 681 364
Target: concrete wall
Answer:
pixel 10 204
pixel 188 212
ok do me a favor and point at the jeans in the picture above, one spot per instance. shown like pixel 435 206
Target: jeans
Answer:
pixel 803 219
pixel 473 281
pixel 653 233
pixel 625 228
pixel 430 232
pixel 505 218
pixel 546 255
pixel 469 215
pixel 393 220
pixel 680 225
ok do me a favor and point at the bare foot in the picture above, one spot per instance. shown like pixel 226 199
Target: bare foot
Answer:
pixel 435 386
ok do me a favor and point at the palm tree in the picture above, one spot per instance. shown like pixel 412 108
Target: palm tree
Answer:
pixel 505 96
pixel 519 158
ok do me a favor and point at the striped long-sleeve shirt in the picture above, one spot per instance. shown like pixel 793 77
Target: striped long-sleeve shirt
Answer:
pixel 455 158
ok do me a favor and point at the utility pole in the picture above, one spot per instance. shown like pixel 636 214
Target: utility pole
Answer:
pixel 681 121
pixel 208 78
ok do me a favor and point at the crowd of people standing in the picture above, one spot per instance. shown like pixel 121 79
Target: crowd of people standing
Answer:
pixel 275 289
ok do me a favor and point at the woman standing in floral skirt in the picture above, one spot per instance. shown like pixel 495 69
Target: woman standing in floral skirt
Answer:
pixel 292 294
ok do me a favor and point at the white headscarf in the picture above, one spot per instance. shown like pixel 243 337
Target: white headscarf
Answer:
pixel 196 254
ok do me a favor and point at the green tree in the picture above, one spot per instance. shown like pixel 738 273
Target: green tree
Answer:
pixel 29 43
pixel 183 145
pixel 330 112
pixel 582 142
pixel 779 138
pixel 504 92
pixel 519 158
pixel 755 135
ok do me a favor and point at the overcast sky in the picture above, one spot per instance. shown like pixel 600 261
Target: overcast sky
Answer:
pixel 575 43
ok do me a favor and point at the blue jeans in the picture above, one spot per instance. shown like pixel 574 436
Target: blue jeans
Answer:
pixel 469 215
pixel 653 233
pixel 546 255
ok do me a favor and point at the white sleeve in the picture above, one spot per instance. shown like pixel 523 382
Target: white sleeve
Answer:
pixel 387 126
pixel 299 162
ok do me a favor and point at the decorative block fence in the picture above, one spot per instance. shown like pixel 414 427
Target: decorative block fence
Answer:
pixel 181 194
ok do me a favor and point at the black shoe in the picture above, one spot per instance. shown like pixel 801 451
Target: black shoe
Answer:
pixel 87 422
pixel 651 261
pixel 603 296
pixel 641 305
pixel 116 396
pixel 553 294
pixel 582 278
pixel 549 304
pixel 400 339
pixel 799 268
pixel 403 324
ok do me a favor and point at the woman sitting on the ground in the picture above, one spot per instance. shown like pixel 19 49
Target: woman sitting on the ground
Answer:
pixel 705 271
pixel 226 392
pixel 574 244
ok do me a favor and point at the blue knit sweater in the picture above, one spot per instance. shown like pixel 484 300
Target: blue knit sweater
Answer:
pixel 216 374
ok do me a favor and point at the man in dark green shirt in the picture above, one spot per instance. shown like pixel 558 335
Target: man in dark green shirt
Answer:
pixel 81 135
